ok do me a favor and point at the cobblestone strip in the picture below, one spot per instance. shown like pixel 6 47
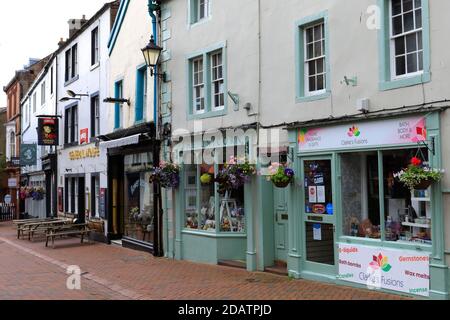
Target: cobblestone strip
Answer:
pixel 129 294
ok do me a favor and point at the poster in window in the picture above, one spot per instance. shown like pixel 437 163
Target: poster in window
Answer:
pixel 48 131
pixel 60 199
pixel 102 204
pixel 84 136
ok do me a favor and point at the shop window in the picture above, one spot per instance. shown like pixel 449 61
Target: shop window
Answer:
pixel 139 213
pixel 360 195
pixel 406 215
pixel 205 209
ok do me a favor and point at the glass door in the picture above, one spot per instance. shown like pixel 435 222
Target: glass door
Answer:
pixel 318 215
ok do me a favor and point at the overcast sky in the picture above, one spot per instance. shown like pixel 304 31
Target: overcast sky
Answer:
pixel 32 29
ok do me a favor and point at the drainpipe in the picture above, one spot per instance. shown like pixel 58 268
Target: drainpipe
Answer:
pixel 151 8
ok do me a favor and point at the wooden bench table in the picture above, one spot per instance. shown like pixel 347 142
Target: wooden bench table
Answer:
pixel 32 228
pixel 66 230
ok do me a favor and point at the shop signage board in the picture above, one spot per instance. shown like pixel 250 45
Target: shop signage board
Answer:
pixel 28 155
pixel 12 183
pixel 366 134
pixel 48 129
pixel 383 268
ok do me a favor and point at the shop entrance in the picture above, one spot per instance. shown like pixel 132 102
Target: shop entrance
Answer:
pixel 318 215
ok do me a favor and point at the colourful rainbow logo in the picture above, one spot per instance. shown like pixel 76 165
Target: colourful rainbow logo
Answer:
pixel 354 132
pixel 381 262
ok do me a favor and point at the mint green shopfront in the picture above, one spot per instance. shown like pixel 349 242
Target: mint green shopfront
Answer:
pixel 351 222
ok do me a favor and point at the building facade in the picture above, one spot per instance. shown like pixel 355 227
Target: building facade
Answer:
pixel 36 174
pixel 15 91
pixel 82 86
pixel 381 74
pixel 131 144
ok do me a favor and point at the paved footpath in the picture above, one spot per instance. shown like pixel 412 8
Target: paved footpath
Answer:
pixel 30 271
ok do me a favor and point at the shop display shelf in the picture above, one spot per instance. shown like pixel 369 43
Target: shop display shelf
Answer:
pixel 416 225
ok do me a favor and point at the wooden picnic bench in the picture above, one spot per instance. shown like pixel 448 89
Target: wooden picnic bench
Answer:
pixel 38 227
pixel 67 230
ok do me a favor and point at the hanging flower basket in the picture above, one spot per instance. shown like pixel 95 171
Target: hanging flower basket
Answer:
pixel 280 175
pixel 418 175
pixel 167 175
pixel 234 175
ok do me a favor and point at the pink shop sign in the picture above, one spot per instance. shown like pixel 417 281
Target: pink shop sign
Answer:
pixel 390 132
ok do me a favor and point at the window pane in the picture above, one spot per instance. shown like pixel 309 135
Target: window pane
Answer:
pixel 191 197
pixel 312 84
pixel 397 25
pixel 421 60
pixel 408 21
pixel 404 210
pixel 412 62
pixel 407 5
pixel 396 7
pixel 310 51
pixel 418 3
pixel 312 67
pixel 411 42
pixel 419 40
pixel 360 199
pixel 320 82
pixel 317 32
pixel 318 187
pixel 399 46
pixel 309 35
pixel 400 65
pixel 318 48
pixel 207 201
pixel 320 63
pixel 418 19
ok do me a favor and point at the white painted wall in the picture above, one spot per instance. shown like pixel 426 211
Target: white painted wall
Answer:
pixel 126 58
pixel 91 80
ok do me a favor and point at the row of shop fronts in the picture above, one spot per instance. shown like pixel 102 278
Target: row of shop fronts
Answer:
pixel 345 220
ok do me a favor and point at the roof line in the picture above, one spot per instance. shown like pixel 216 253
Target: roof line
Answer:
pixel 117 24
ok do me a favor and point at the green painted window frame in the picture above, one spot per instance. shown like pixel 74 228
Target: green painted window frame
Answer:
pixel 141 90
pixel 206 54
pixel 300 26
pixel 384 43
pixel 193 12
pixel 118 108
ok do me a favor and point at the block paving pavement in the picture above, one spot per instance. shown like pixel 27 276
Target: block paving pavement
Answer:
pixel 29 271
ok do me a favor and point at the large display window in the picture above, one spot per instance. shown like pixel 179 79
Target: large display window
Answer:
pixel 139 215
pixel 377 205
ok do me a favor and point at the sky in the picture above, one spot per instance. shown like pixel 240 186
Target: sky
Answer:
pixel 32 29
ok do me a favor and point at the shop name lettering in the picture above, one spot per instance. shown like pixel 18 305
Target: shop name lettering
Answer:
pixel 404 130
pixel 82 154
pixel 387 282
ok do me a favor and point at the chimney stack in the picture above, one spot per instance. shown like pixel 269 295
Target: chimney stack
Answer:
pixel 75 25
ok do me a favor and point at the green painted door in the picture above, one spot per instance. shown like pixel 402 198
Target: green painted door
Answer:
pixel 318 213
pixel 281 217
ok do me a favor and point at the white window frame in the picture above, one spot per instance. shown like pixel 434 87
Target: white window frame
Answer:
pixel 97 116
pixel 392 55
pixel 205 10
pixel 308 92
pixel 43 95
pixel 34 102
pixel 200 85
pixel 12 144
pixel 219 80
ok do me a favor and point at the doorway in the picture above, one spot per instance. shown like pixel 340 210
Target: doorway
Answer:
pixel 281 220
pixel 82 199
pixel 319 220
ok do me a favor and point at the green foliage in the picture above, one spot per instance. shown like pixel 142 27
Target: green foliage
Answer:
pixel 414 175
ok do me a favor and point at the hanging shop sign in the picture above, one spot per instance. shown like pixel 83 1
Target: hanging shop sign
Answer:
pixel 84 153
pixel 48 131
pixel 382 268
pixel 28 155
pixel 84 136
pixel 364 134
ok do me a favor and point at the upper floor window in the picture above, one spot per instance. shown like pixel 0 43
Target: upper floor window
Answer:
pixel 118 94
pixel 406 37
pixel 42 95
pixel 71 125
pixel 312 61
pixel 315 73
pixel 198 85
pixel 71 67
pixel 51 80
pixel 34 102
pixel 199 10
pixel 12 144
pixel 94 47
pixel 404 42
pixel 207 79
pixel 95 116
pixel 141 93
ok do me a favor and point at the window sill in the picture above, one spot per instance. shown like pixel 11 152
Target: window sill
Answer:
pixel 210 114
pixel 321 96
pixel 71 145
pixel 194 24
pixel 71 80
pixel 405 82
pixel 213 234
pixel 95 66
